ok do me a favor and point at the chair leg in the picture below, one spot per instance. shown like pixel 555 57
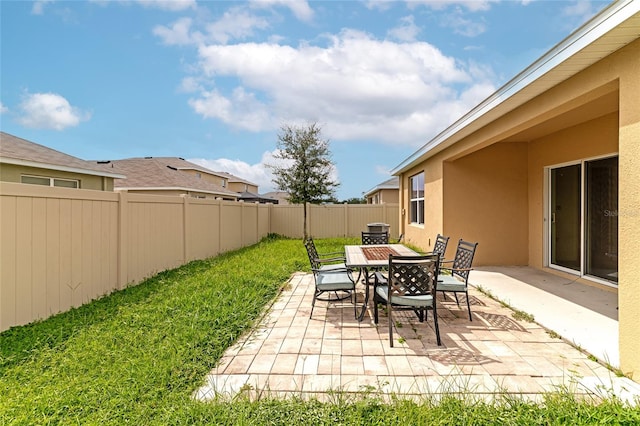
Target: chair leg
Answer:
pixel 468 306
pixel 390 324
pixel 375 310
pixel 435 325
pixel 456 295
pixel 354 300
pixel 313 303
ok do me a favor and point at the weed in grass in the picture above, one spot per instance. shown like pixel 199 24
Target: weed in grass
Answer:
pixel 553 334
pixel 521 315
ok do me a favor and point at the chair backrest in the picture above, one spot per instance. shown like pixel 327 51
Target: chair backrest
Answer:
pixel 464 258
pixel 369 238
pixel 312 252
pixel 413 275
pixel 440 246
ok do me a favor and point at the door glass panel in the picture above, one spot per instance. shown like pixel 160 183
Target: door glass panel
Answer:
pixel 601 248
pixel 565 216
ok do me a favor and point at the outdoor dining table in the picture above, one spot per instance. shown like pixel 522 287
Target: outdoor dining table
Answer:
pixel 368 257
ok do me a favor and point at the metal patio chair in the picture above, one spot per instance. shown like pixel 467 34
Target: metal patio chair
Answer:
pixel 338 281
pixel 369 238
pixel 455 278
pixel 410 285
pixel 324 261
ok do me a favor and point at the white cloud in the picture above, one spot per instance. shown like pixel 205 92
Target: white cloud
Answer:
pixel 235 24
pixel 49 111
pixel 462 25
pixel 582 10
pixel 300 8
pixel 406 31
pixel 38 6
pixel 257 173
pixel 241 109
pixel 360 87
pixel 170 5
pixel 177 34
pixel 3 108
pixel 471 5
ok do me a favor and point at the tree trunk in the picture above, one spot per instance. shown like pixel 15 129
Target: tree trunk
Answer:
pixel 304 224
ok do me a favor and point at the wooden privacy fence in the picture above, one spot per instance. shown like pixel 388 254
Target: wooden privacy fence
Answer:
pixel 61 248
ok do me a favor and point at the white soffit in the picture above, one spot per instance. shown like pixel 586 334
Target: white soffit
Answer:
pixel 610 30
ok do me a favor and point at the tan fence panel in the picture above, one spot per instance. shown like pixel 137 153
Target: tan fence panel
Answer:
pixel 202 228
pixel 360 215
pixel 58 250
pixel 231 226
pixel 154 235
pixel 333 220
pixel 264 214
pixel 328 221
pixel 61 248
pixel 286 219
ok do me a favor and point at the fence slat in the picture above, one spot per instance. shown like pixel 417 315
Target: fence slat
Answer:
pixel 64 247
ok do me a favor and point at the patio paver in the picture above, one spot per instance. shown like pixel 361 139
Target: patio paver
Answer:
pixel 290 354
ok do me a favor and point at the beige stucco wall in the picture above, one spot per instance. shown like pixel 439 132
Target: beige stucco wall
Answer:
pixel 629 209
pixel 595 113
pixel 485 200
pixel 12 173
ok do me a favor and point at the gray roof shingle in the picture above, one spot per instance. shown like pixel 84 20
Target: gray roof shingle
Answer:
pixel 15 150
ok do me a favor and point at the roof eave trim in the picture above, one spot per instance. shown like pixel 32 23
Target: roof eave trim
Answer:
pixel 59 168
pixel 172 188
pixel 598 26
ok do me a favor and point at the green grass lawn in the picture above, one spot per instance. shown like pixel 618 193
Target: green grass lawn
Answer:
pixel 137 356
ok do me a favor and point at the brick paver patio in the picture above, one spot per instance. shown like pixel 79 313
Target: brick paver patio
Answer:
pixel 289 354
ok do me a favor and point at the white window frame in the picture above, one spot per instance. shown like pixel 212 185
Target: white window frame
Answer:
pixel 418 199
pixel 52 181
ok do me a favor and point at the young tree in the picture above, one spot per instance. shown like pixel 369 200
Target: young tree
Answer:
pixel 306 167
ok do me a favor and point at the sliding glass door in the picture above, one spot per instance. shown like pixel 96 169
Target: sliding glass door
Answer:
pixel 601 227
pixel 566 216
pixel 583 231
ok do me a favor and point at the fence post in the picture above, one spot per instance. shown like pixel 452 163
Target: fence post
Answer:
pixel 185 228
pixel 346 219
pixel 123 241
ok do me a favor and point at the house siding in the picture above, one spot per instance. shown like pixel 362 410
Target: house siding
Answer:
pixel 13 172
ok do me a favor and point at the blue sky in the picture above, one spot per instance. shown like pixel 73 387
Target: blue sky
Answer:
pixel 213 81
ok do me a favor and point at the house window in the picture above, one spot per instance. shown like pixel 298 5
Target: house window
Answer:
pixel 417 198
pixel 49 181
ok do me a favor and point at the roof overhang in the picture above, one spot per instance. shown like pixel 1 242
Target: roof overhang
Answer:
pixel 59 168
pixel 380 188
pixel 613 28
pixel 175 188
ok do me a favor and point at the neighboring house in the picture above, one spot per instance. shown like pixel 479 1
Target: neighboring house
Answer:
pixel 23 161
pixel 247 191
pixel 239 185
pixel 281 196
pixel 546 171
pixel 168 176
pixel 250 197
pixel 384 193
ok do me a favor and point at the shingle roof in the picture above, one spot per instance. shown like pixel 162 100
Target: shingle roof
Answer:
pixel 392 183
pixel 235 179
pixel 15 150
pixel 163 173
